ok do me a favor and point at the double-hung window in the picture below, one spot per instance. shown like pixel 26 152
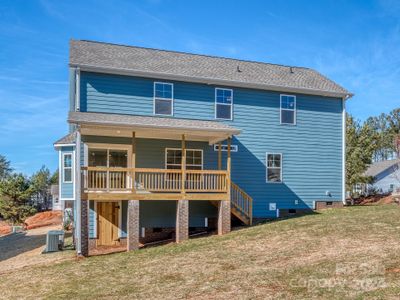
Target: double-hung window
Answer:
pixel 163 98
pixel 67 167
pixel 223 103
pixel 288 109
pixel 194 159
pixel 274 167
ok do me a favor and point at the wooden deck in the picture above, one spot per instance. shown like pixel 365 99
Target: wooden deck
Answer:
pixel 102 183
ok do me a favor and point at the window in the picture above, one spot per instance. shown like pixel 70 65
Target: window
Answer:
pixel 224 148
pixel 274 167
pixel 223 103
pixel 194 159
pixel 163 98
pixel 67 168
pixel 288 109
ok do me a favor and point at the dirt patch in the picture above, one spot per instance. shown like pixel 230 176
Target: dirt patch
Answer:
pixel 374 200
pixel 46 218
pixel 5 228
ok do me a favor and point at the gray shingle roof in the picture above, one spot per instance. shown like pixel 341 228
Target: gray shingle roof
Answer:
pixel 211 68
pixel 66 140
pixel 149 122
pixel 380 166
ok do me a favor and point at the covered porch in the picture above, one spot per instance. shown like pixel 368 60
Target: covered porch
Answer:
pixel 190 171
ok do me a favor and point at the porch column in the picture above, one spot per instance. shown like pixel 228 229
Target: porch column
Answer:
pixel 224 206
pixel 182 206
pixel 133 164
pixel 133 225
pixel 84 241
pixel 182 221
pixel 224 217
pixel 219 156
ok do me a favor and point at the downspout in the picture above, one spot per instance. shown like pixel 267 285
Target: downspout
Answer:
pixel 344 150
pixel 78 191
pixel 77 89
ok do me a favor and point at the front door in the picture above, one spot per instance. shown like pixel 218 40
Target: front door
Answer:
pixel 107 224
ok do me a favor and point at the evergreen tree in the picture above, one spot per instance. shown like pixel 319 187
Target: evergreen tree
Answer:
pixel 5 168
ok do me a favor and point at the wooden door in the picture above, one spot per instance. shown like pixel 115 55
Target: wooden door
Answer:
pixel 107 225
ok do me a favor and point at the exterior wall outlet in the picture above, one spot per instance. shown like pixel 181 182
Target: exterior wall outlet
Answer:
pixel 296 202
pixel 272 206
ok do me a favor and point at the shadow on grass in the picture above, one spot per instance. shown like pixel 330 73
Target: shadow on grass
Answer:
pixel 17 243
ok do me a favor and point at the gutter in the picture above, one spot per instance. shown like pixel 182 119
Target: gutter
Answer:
pixel 210 81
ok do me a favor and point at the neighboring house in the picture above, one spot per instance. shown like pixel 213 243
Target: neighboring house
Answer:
pixel 148 152
pixel 386 177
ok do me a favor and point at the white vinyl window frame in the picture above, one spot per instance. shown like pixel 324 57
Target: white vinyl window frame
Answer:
pixel 179 149
pixel 64 168
pixel 164 99
pixel 226 104
pixel 280 168
pixel 294 110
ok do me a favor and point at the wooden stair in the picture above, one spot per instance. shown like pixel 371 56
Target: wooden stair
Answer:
pixel 241 204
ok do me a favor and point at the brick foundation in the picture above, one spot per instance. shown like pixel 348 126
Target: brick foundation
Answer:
pixel 133 225
pixel 224 217
pixel 328 204
pixel 84 228
pixel 182 220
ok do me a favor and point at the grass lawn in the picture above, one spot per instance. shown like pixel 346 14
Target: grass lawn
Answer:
pixel 344 253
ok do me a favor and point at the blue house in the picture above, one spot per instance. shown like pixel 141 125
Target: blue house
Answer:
pixel 385 175
pixel 163 143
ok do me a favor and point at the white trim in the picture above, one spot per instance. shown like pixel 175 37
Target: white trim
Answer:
pixel 59 175
pixel 157 98
pixel 288 109
pixel 344 151
pixel 77 89
pixel 266 167
pixel 63 145
pixel 215 104
pixel 224 148
pixel 120 219
pixel 64 167
pixel 168 148
pixel 77 192
pixel 95 218
pixel 73 152
pixel 169 76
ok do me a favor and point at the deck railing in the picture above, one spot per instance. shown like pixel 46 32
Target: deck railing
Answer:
pixel 154 180
pixel 243 203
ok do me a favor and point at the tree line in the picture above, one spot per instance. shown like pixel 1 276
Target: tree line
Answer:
pixel 375 139
pixel 22 196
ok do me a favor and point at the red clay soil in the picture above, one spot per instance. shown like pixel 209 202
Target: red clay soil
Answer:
pixel 45 218
pixel 5 228
pixel 375 200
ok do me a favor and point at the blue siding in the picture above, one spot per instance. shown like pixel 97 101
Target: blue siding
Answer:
pixel 386 178
pixel 67 189
pixel 312 149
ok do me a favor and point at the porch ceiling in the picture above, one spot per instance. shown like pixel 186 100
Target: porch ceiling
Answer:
pixel 103 124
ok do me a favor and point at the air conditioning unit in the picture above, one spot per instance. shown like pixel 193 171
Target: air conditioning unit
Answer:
pixel 54 241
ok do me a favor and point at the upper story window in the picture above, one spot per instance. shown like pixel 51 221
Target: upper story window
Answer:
pixel 67 167
pixel 288 109
pixel 223 103
pixel 274 167
pixel 163 98
pixel 194 159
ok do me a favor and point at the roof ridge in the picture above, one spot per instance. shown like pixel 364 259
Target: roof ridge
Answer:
pixel 197 54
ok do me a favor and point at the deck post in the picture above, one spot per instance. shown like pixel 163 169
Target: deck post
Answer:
pixel 84 241
pixel 182 221
pixel 219 156
pixel 224 206
pixel 133 187
pixel 133 225
pixel 183 165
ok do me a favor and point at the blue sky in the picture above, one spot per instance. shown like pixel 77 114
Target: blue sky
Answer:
pixel 355 43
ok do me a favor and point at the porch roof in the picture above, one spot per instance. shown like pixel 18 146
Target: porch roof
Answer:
pixel 151 127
